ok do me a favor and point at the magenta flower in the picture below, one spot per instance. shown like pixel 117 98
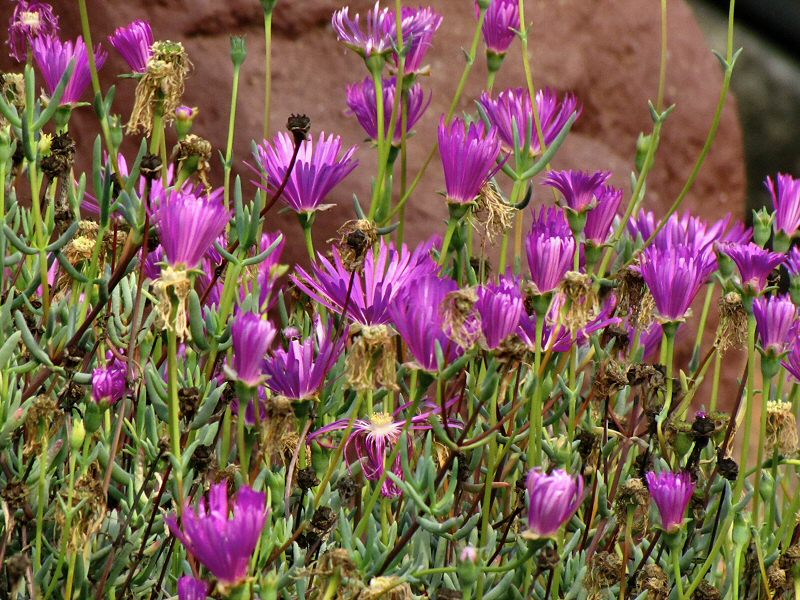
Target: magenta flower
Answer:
pixel 552 500
pixel 252 336
pixel 791 361
pixel 785 193
pixel 53 56
pixel 600 219
pixel 754 263
pixel 250 409
pixel 512 109
pixel 188 226
pixel 376 36
pixel 190 588
pixel 500 25
pixel 793 261
pixel 134 43
pixel 554 337
pixel 221 541
pixel 269 270
pixel 299 372
pixel 318 170
pixel 775 318
pixel 500 307
pixel 361 103
pixel 30 21
pixel 384 277
pixel 419 26
pixel 417 316
pixel 674 276
pixel 579 189
pixel 550 248
pixel 469 155
pixel 110 383
pixel 671 492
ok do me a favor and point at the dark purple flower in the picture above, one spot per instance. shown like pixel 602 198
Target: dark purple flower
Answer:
pixel 250 410
pixel 53 56
pixel 600 219
pixel 513 109
pixel 793 261
pixel 29 21
pixel 188 225
pixel 269 271
pixel 671 492
pixel 554 337
pixel 190 588
pixel 469 155
pixel 110 383
pixel 552 500
pixel 222 542
pixel 376 37
pixel 500 25
pixel 579 189
pixel 550 248
pixel 754 263
pixel 384 277
pixel 786 200
pixel 252 336
pixel 775 318
pixel 500 307
pixel 318 170
pixel 674 276
pixel 419 26
pixel 361 103
pixel 417 316
pixel 299 372
pixel 791 361
pixel 134 43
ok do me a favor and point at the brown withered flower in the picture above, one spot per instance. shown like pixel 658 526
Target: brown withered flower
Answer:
pixel 299 126
pixel 654 581
pixel 461 322
pixel 633 496
pixel 581 303
pixel 781 428
pixel 354 239
pixel 491 213
pixel 634 299
pixel 372 359
pixel 732 328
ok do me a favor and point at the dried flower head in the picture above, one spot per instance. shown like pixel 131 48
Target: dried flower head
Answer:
pixel 371 361
pixel 460 321
pixel 387 588
pixel 634 299
pixel 193 154
pixel 654 581
pixel 172 289
pixel 356 239
pixel 781 428
pixel 29 21
pixel 581 303
pixel 492 213
pixel 732 329
pixel 633 496
pixel 604 570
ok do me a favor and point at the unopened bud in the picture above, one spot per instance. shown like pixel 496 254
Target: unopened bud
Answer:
pixel 238 50
pixel 762 226
pixel 77 435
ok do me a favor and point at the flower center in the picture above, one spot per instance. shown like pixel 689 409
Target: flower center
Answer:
pixel 382 424
pixel 30 19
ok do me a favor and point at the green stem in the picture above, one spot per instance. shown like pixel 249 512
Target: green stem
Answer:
pixel 748 406
pixel 515 193
pixel 174 405
pixel 536 418
pixel 231 129
pixel 42 499
pixel 766 385
pixel 670 330
pixel 377 80
pixel 448 236
pixel 267 69
pixel 675 553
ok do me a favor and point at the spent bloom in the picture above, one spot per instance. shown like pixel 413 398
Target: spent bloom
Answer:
pixel 500 25
pixel 385 275
pixel 785 191
pixel 134 42
pixel 469 154
pixel 579 189
pixel 299 371
pixel 252 336
pixel 775 317
pixel 222 534
pixel 671 492
pixel 110 383
pixel 512 109
pixel 500 307
pixel 600 219
pixel 319 168
pixel 370 36
pixel 190 588
pixel 754 263
pixel 30 21
pixel 550 248
pixel 53 56
pixel 361 103
pixel 674 276
pixel 552 500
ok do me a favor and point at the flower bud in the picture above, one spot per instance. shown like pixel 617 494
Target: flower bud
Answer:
pixel 238 50
pixel 468 571
pixel 77 435
pixel 762 226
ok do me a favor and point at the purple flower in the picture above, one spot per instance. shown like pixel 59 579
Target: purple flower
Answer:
pixel 671 492
pixel 793 261
pixel 469 155
pixel 786 200
pixel 318 170
pixel 500 307
pixel 190 588
pixel 188 225
pixel 552 500
pixel 375 38
pixel 754 263
pixel 30 20
pixel 252 337
pixel 500 25
pixel 269 269
pixel 550 248
pixel 384 277
pixel 361 103
pixel 556 338
pixel 417 316
pixel 222 542
pixel 134 43
pixel 674 276
pixel 775 318
pixel 513 109
pixel 110 383
pixel 53 56
pixel 792 360
pixel 579 189
pixel 372 440
pixel 250 409
pixel 419 26
pixel 299 372
pixel 600 219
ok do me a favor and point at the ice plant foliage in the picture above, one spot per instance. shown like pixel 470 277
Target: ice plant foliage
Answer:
pixel 511 407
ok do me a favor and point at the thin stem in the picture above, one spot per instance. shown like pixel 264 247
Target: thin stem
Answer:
pixel 448 236
pixel 174 405
pixel 267 69
pixel 748 406
pixel 231 129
